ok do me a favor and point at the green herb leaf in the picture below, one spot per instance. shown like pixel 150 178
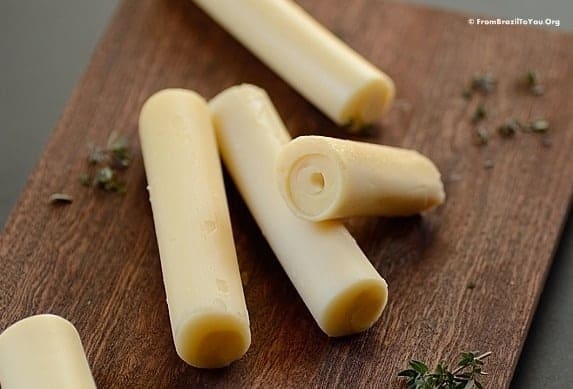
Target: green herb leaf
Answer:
pixel 531 82
pixel 418 366
pixel 408 373
pixel 530 79
pixel 467 357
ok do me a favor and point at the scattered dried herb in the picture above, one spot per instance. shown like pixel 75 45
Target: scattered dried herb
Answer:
pixel 106 179
pixel 488 164
pixel 479 114
pixel 539 125
pixel 467 93
pixel 530 79
pixel 481 136
pixel 509 128
pixel 118 147
pixel 531 83
pixel 103 176
pixel 484 84
pixel 60 198
pixel 115 156
pixel 465 376
pixel 95 154
pixel 115 153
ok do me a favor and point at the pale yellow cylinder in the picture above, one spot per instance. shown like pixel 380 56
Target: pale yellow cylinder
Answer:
pixel 341 83
pixel 209 318
pixel 322 178
pixel 43 351
pixel 343 291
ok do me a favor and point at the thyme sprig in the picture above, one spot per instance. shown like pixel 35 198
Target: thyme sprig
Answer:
pixel 465 376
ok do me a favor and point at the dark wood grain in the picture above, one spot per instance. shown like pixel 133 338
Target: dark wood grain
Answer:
pixel 96 262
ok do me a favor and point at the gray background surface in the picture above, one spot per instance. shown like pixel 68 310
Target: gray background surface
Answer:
pixel 45 46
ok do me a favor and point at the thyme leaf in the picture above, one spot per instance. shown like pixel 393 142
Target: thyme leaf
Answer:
pixel 509 128
pixel 481 136
pixel 118 147
pixel 479 114
pixel 484 83
pixel 106 179
pixel 109 160
pixel 531 83
pixel 539 125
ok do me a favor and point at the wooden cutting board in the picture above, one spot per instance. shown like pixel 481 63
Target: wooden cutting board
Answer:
pixel 96 262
